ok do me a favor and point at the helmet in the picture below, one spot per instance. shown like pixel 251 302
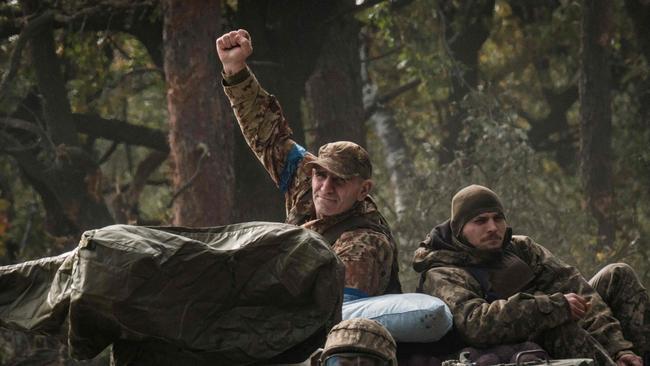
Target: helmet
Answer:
pixel 360 336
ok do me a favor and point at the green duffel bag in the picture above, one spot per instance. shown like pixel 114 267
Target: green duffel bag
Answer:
pixel 236 294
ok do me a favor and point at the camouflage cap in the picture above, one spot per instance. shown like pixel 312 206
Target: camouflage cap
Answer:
pixel 471 201
pixel 345 159
pixel 361 335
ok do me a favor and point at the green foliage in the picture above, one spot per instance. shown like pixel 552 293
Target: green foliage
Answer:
pixel 109 74
pixel 22 228
pixel 114 77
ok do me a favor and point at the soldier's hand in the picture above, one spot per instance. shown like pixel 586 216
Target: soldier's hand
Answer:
pixel 578 305
pixel 629 359
pixel 233 49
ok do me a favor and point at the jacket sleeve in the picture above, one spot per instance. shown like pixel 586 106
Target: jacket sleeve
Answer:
pixel 368 258
pixel 483 324
pixel 553 275
pixel 265 129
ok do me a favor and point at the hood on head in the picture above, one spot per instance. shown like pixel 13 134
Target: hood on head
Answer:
pixel 443 248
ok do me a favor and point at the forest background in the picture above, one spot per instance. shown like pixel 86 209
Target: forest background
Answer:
pixel 112 112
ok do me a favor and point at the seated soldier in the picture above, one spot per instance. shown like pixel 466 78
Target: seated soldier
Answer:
pixel 505 289
pixel 357 342
pixel 327 193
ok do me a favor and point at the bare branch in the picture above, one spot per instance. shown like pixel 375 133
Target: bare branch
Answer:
pixel 142 173
pixel 125 201
pixel 12 144
pixel 397 91
pixel 383 55
pixel 19 124
pixel 125 77
pixel 108 153
pixel 138 72
pixel 27 161
pixel 14 63
pixel 119 49
pixel 383 99
pixel 120 131
pixel 28 227
pixel 101 9
pixel 204 154
pixel 110 129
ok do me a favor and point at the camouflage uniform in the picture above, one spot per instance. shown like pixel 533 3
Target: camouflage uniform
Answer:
pixel 534 308
pixel 621 289
pixel 363 336
pixel 370 256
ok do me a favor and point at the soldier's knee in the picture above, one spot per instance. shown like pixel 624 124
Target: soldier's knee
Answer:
pixel 616 280
pixel 622 272
pixel 618 272
pixel 621 268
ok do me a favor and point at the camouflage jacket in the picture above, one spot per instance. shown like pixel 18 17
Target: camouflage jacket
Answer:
pixel 370 257
pixel 446 264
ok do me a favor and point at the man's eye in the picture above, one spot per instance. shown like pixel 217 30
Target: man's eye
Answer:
pixel 320 174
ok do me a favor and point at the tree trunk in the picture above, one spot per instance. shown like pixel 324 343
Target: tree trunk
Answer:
pixel 464 75
pixel 639 12
pixel 68 179
pixel 333 91
pixel 553 132
pixel 398 163
pixel 556 123
pixel 56 106
pixel 201 139
pixel 596 118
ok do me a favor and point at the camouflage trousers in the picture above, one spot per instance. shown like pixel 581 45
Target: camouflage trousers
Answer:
pixel 621 289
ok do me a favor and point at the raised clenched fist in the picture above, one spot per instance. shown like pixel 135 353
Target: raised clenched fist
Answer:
pixel 233 49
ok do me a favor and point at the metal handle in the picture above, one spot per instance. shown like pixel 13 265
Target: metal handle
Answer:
pixel 535 351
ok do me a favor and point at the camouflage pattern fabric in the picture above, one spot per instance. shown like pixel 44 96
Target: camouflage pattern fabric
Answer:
pixel 345 159
pixel 621 289
pixel 570 340
pixel 528 315
pixel 361 335
pixel 367 255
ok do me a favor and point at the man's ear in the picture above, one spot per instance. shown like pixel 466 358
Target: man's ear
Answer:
pixel 366 187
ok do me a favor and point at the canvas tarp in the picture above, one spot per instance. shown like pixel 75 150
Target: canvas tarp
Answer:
pixel 233 294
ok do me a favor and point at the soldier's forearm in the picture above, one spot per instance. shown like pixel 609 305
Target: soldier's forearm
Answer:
pixel 511 320
pixel 261 121
pixel 230 69
pixel 234 78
